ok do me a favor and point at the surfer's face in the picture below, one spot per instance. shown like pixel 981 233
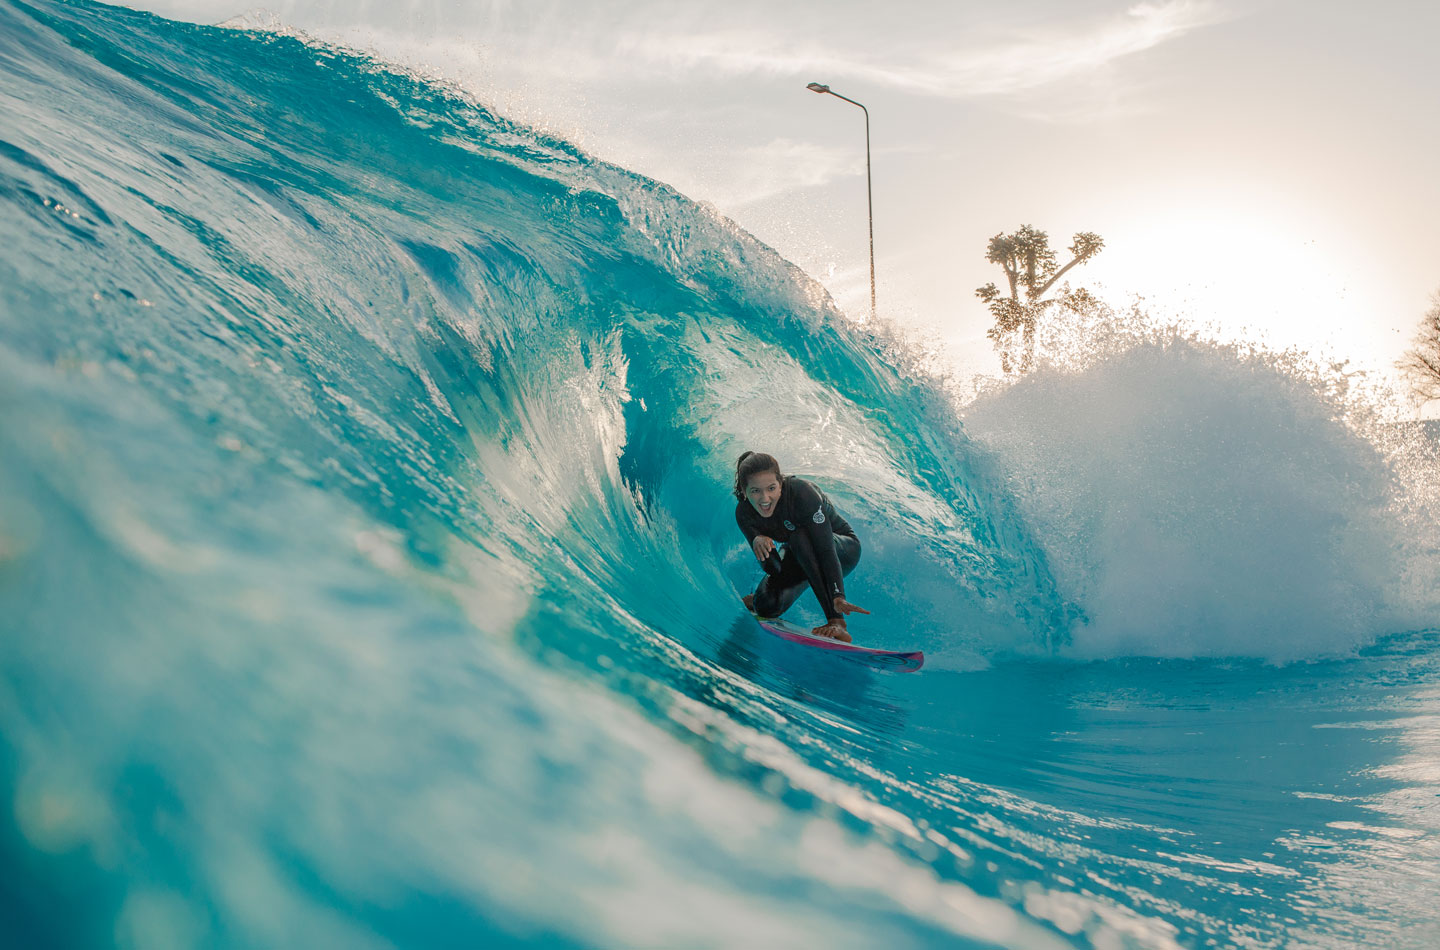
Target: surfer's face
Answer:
pixel 762 490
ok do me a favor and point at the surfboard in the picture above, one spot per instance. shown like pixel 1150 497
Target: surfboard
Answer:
pixel 898 661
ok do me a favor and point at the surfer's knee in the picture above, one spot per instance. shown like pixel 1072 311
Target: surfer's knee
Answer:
pixel 766 601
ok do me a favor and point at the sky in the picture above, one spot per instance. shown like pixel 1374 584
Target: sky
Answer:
pixel 1267 169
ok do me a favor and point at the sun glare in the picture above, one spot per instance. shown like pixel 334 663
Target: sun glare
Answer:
pixel 1245 275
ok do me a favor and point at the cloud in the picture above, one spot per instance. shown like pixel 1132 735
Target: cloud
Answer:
pixel 1042 58
pixel 779 166
pixel 1046 60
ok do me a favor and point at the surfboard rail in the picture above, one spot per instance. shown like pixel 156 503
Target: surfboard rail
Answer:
pixel 899 661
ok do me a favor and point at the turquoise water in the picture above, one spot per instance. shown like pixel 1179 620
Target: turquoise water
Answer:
pixel 368 575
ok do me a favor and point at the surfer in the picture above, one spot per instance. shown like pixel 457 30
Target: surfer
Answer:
pixel 820 546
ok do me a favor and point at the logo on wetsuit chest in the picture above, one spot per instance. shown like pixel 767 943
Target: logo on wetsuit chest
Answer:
pixel 818 518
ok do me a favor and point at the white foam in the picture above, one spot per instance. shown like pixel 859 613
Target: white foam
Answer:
pixel 1201 499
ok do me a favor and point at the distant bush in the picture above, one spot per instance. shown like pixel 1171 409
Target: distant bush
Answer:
pixel 1421 363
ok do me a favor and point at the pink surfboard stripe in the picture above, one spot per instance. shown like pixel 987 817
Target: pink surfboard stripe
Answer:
pixel 904 661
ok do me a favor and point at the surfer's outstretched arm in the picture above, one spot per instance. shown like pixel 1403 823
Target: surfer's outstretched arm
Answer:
pixel 821 561
pixel 826 558
pixel 802 548
pixel 846 550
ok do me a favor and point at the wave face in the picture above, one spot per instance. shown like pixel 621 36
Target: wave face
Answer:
pixel 369 574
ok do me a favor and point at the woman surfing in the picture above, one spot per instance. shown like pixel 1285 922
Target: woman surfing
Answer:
pixel 820 547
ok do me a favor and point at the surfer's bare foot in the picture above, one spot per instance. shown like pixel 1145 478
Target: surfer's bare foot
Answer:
pixel 749 601
pixel 835 631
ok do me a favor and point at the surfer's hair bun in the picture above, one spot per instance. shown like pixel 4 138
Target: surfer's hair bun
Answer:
pixel 753 463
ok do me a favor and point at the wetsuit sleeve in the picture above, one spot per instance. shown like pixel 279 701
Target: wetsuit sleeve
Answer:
pixel 810 512
pixel 747 527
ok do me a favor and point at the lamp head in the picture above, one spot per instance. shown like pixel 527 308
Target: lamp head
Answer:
pixel 817 87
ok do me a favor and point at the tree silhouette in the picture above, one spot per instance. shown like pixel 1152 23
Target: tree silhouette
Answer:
pixel 1421 363
pixel 1030 265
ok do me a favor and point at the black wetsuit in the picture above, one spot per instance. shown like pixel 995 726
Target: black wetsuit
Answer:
pixel 820 548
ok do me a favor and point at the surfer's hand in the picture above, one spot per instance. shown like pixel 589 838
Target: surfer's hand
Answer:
pixel 834 629
pixel 843 607
pixel 762 546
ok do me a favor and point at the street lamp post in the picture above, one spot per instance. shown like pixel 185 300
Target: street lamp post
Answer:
pixel 869 195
